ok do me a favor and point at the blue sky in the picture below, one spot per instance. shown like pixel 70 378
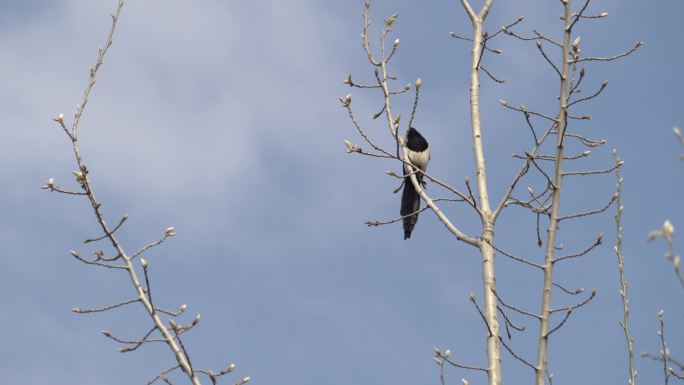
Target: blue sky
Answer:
pixel 221 118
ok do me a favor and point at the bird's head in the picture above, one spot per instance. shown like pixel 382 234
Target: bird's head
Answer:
pixel 415 141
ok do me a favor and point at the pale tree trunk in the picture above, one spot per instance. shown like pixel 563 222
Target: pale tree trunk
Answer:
pixel 561 123
pixel 486 250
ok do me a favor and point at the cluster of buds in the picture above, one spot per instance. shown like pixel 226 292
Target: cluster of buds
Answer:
pixel 347 99
pixel 667 231
pixel 59 119
pixel 391 20
pixel 174 326
pixel 351 147
pixel 80 177
pixel 438 353
pixel 50 184
pixel 575 48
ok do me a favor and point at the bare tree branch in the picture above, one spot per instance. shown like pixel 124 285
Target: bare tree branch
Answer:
pixel 445 357
pixel 568 291
pixel 121 222
pixel 500 81
pixel 515 257
pixel 518 310
pixel 594 172
pixel 548 60
pixel 599 240
pixel 162 376
pixel 575 306
pixel 664 352
pixel 624 323
pixel 95 262
pixel 578 15
pixel 103 309
pixel 541 367
pixel 610 58
pixel 142 293
pixel 595 94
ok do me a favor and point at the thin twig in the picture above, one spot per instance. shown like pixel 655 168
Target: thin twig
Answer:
pixel 548 60
pixel 462 366
pixel 62 191
pixel 664 352
pixel 172 313
pixel 121 222
pixel 149 246
pixel 96 262
pixel 479 311
pixel 136 343
pixel 525 110
pixel 595 94
pixel 568 291
pixel 515 355
pixel 624 324
pixel 538 36
pixel 594 172
pixel 670 359
pixel 550 181
pixel 552 158
pixel 515 257
pixel 518 310
pixel 578 15
pixel 599 240
pixel 575 306
pixel 586 141
pixel 415 105
pixel 506 27
pixel 401 218
pixel 677 375
pixel 567 315
pixel 610 58
pixel 590 212
pixel 525 167
pixel 103 309
pixel 161 376
pixel 500 81
pixel 510 323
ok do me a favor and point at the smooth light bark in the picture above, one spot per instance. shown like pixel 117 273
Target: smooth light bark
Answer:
pixel 561 123
pixel 486 250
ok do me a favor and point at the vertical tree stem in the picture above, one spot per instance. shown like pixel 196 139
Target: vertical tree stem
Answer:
pixel 140 290
pixel 623 281
pixel 486 250
pixel 561 122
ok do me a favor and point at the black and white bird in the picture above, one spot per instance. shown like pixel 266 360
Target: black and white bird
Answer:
pixel 419 154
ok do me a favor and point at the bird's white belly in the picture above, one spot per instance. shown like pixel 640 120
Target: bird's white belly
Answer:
pixel 420 159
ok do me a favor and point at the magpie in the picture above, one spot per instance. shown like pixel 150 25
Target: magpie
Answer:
pixel 419 154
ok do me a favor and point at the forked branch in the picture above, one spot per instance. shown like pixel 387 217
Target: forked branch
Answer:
pixel 121 260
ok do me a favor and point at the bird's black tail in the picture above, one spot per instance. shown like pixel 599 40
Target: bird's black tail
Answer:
pixel 410 203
